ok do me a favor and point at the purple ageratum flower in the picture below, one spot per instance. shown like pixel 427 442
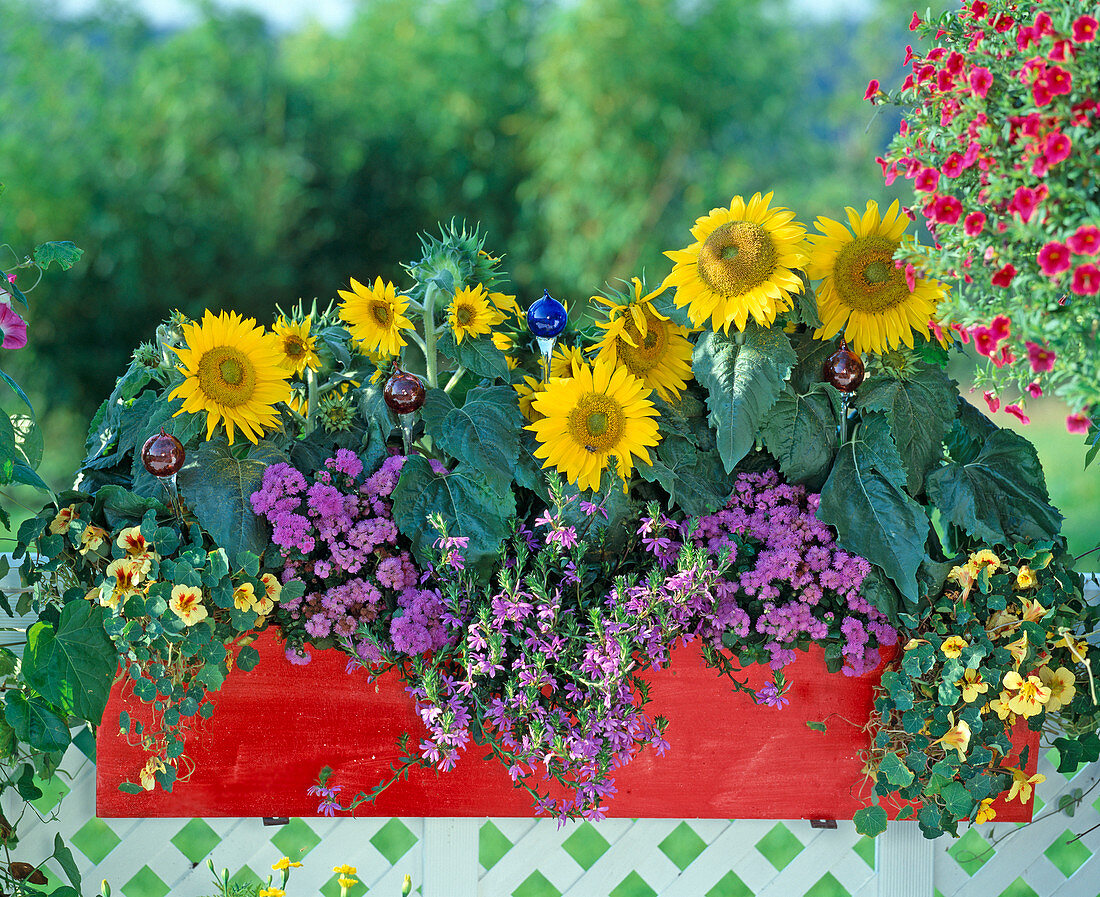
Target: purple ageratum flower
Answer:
pixel 298 656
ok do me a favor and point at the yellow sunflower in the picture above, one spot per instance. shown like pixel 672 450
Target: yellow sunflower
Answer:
pixel 472 314
pixel 647 344
pixel 232 372
pixel 743 262
pixel 566 361
pixel 299 349
pixel 375 316
pixel 602 414
pixel 862 291
pixel 526 393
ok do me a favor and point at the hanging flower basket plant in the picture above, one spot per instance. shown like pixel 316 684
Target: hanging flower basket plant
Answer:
pixel 513 517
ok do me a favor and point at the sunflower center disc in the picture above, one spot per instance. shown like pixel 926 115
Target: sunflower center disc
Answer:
pixel 294 347
pixel 596 422
pixel 736 258
pixel 227 376
pixel 865 277
pixel 381 313
pixel 647 351
pixel 465 315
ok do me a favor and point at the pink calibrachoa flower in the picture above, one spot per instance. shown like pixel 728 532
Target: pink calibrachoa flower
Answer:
pixel 1003 277
pixel 914 23
pixel 1024 203
pixel 13 328
pixel 1053 258
pixel 1078 423
pixel 1034 390
pixel 1086 240
pixel 992 401
pixel 953 165
pixel 1086 282
pixel 974 223
pixel 947 210
pixel 984 341
pixel 1059 81
pixel 926 180
pixel 1017 412
pixel 1042 360
pixel 872 89
pixel 1000 327
pixel 1084 30
pixel 1056 148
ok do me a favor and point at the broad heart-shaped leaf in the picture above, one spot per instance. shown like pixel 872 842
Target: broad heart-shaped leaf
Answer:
pixel 801 433
pixel 65 860
pixel 864 500
pixel 695 481
pixel 895 772
pixel 35 722
pixel 65 253
pixel 742 381
pixel 870 821
pixel 1000 496
pixel 483 433
pixel 72 667
pixel 920 410
pixel 477 354
pixel 469 505
pixel 218 487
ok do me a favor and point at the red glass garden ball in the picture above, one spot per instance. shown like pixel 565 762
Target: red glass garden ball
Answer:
pixel 403 392
pixel 162 454
pixel 843 369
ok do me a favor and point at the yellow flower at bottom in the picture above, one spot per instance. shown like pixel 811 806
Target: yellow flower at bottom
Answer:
pixel 953 646
pixel 186 603
pixel 985 811
pixel 274 892
pixel 244 596
pixel 285 863
pixel 1021 784
pixel 600 416
pixel 344 870
pixel 957 737
pixel 1061 686
pixel 1030 695
pixel 1025 578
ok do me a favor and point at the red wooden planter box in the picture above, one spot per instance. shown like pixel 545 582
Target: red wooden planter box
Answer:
pixel 275 727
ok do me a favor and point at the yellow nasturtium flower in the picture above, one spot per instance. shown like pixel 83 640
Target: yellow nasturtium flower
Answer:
pixel 957 737
pixel 972 685
pixel 985 811
pixel 1030 694
pixel 953 646
pixel 1025 578
pixel 1061 685
pixel 1022 784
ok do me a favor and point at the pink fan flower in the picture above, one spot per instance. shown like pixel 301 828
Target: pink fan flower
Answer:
pixel 927 179
pixel 13 327
pixel 1024 202
pixel 872 89
pixel 1000 327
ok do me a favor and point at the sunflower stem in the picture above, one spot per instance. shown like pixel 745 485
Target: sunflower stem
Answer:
pixel 455 377
pixel 430 359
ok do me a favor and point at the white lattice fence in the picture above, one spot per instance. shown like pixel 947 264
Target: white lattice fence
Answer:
pixel 615 858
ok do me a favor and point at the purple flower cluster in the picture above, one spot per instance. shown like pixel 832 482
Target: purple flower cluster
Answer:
pixel 338 535
pixel 782 566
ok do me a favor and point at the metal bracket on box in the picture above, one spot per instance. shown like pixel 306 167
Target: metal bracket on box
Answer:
pixel 284 820
pixel 822 823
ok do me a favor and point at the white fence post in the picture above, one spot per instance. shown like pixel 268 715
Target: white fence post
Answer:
pixel 450 858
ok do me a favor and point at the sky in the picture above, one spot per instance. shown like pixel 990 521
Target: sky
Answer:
pixel 335 14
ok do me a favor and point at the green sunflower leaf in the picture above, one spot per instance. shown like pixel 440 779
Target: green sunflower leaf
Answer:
pixel 35 722
pixel 998 496
pixel 920 408
pixel 864 500
pixel 477 354
pixel 483 433
pixel 800 431
pixel 695 481
pixel 743 381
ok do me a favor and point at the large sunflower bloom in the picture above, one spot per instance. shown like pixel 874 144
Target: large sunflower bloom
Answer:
pixel 602 414
pixel 647 344
pixel 299 349
pixel 232 372
pixel 743 262
pixel 862 291
pixel 375 316
pixel 472 314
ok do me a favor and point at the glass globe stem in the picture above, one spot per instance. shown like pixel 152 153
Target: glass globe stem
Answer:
pixel 546 348
pixel 174 505
pixel 842 428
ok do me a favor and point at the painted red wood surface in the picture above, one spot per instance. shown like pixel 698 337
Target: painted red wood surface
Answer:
pixel 275 727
